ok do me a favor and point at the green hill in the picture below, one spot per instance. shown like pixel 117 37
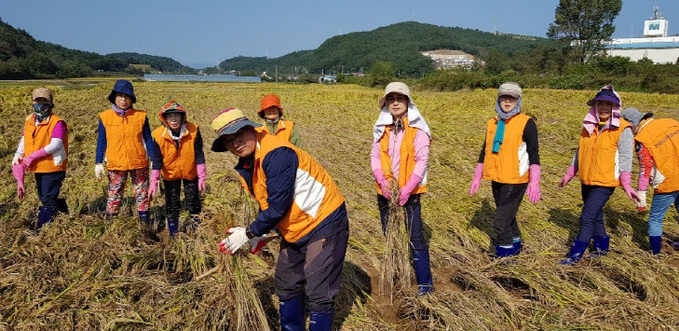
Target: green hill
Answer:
pixel 399 43
pixel 23 57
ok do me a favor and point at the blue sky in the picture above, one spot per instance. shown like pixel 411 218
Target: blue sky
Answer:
pixel 201 33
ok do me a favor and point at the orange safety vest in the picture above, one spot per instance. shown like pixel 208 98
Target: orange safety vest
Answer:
pixel 598 156
pixel 283 131
pixel 510 164
pixel 407 164
pixel 661 138
pixel 37 137
pixel 124 141
pixel 316 194
pixel 178 163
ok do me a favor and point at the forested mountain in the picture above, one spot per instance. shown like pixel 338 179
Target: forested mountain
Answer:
pixel 21 57
pixel 399 43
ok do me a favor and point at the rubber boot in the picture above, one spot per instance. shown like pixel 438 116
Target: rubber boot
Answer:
pixel 192 224
pixel 516 246
pixel 675 245
pixel 62 207
pixel 292 314
pixel 504 251
pixel 172 226
pixel 601 244
pixel 320 321
pixel 144 217
pixel 45 215
pixel 575 254
pixel 422 271
pixel 655 244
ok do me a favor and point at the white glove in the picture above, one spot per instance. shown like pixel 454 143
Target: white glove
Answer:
pixel 99 171
pixel 233 242
pixel 17 158
pixel 641 204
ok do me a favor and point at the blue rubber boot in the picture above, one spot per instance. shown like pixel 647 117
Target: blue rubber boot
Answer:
pixel 144 217
pixel 292 314
pixel 172 226
pixel 517 246
pixel 504 251
pixel 601 244
pixel 577 250
pixel 655 244
pixel 422 271
pixel 320 321
pixel 45 215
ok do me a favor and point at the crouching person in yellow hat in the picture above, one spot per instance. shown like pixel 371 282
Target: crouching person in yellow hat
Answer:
pixel 300 201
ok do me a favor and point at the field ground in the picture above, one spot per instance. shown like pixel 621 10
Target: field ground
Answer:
pixel 84 272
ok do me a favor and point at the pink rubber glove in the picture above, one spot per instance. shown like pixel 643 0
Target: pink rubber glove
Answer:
pixel 200 168
pixel 533 190
pixel 476 182
pixel 37 155
pixel 626 182
pixel 570 173
pixel 153 183
pixel 405 191
pixel 18 172
pixel 383 183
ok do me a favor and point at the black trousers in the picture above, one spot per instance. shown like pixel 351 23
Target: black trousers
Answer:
pixel 172 197
pixel 507 201
pixel 49 185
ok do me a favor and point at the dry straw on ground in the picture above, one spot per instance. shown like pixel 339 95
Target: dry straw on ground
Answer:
pixel 85 273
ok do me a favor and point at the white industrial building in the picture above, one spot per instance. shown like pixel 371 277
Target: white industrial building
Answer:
pixel 655 44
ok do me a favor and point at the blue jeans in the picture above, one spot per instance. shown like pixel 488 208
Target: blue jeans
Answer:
pixel 592 215
pixel 661 203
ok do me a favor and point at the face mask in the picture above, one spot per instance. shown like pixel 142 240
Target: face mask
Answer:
pixel 42 110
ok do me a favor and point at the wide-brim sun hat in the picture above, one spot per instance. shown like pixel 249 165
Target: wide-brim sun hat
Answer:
pixel 122 86
pixel 605 95
pixel 394 87
pixel 227 122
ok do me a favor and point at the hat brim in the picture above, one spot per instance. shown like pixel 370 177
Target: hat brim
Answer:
pixel 112 97
pixel 608 98
pixel 513 95
pixel 383 99
pixel 218 145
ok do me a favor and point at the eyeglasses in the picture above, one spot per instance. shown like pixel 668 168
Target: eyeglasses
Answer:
pixel 238 138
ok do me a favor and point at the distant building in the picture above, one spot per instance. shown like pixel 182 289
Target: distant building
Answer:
pixel 448 58
pixel 655 45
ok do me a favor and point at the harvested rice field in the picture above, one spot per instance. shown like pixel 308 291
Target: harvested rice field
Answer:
pixel 84 272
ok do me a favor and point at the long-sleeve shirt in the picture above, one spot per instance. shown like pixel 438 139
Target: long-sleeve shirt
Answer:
pixel 157 159
pixel 280 170
pixel 56 141
pixel 530 137
pixel 102 144
pixel 421 145
pixel 295 137
pixel 625 151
